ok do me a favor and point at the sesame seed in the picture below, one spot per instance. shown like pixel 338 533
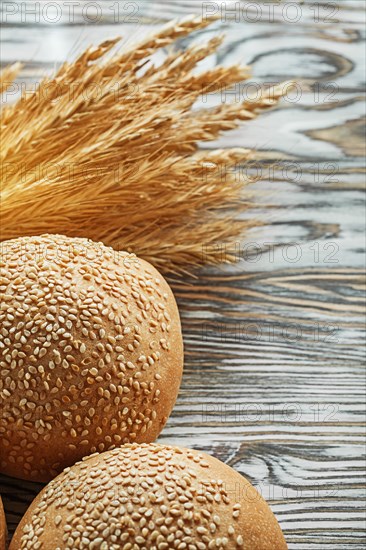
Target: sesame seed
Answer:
pixel 77 353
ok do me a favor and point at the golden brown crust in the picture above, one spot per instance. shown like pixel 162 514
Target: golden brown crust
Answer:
pixel 2 527
pixel 149 496
pixel 91 353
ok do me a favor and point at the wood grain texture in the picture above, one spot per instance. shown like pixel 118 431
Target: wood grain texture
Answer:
pixel 274 368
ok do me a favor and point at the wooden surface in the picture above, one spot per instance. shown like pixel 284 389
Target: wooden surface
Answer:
pixel 274 375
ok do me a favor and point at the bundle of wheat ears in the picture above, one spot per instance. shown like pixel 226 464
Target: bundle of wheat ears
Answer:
pixel 121 164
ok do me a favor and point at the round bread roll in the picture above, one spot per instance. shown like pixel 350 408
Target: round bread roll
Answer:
pixel 149 497
pixel 91 353
pixel 2 527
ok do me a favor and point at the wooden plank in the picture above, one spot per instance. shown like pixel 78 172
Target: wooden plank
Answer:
pixel 274 346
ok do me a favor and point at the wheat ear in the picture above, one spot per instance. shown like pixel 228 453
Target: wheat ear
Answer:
pixel 123 165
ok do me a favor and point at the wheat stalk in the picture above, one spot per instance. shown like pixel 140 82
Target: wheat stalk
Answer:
pixel 123 165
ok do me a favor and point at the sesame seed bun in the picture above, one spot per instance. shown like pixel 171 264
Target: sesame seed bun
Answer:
pixel 91 353
pixel 2 527
pixel 149 497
